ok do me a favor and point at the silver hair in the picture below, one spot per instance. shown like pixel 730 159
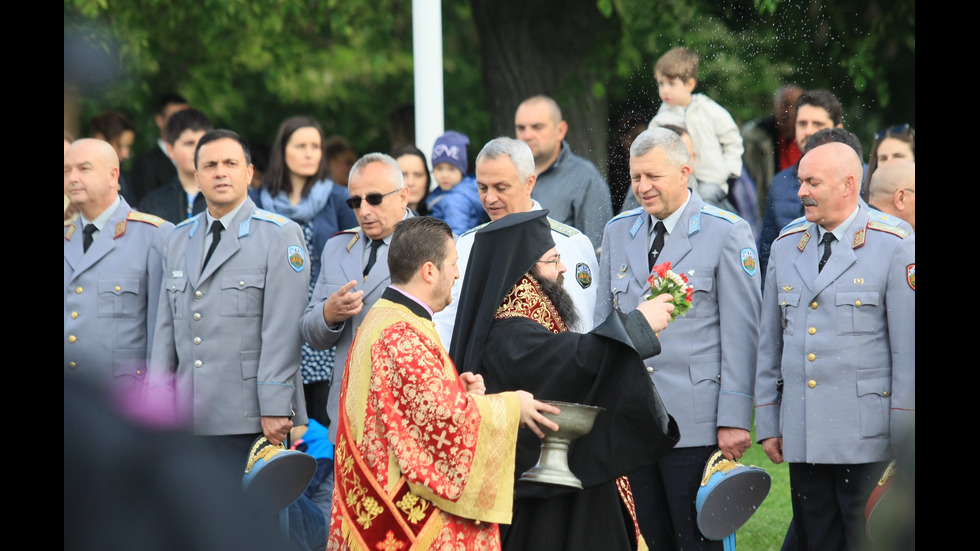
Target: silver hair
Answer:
pixel 387 160
pixel 673 146
pixel 518 152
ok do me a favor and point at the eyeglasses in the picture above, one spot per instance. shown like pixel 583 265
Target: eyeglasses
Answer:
pixel 554 261
pixel 373 199
pixel 900 129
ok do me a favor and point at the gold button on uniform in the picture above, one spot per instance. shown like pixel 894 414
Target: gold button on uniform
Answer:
pixel 813 305
pixel 71 338
pixel 78 290
pixel 74 315
pixel 241 283
pixel 811 383
pixel 812 330
pixel 197 316
pixel 886 394
pixel 198 363
pixel 197 340
pixel 118 288
pixel 857 303
pixel 198 294
pixel 811 356
pixel 72 365
pixel 649 370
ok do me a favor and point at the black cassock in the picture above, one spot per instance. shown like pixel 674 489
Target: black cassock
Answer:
pixel 600 368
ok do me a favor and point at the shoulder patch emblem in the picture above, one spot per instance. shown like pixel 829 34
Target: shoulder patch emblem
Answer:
pixel 749 263
pixel 296 256
pixel 910 274
pixel 583 275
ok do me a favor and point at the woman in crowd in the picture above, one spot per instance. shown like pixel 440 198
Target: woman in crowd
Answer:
pixel 114 127
pixel 416 173
pixel 897 142
pixel 297 185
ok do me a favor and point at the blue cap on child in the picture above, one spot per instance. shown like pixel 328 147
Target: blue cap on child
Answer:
pixel 451 148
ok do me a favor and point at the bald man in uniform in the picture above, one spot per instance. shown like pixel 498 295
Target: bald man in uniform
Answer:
pixel 112 272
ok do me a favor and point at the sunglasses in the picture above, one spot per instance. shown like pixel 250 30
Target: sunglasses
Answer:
pixel 900 129
pixel 373 199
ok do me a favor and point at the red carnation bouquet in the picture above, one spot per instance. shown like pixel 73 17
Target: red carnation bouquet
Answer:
pixel 662 280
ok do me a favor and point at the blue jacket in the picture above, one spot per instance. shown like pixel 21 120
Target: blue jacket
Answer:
pixel 460 207
pixel 782 207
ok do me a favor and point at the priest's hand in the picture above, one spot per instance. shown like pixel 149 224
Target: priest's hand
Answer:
pixel 733 442
pixel 531 415
pixel 275 429
pixel 474 383
pixel 657 311
pixel 344 303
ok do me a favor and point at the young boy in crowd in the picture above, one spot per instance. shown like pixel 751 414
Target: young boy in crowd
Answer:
pixel 716 137
pixel 456 201
pixel 180 198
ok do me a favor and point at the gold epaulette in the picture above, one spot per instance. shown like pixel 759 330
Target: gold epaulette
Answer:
pixel 144 217
pixel 888 228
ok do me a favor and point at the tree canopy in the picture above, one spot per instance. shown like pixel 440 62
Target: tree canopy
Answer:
pixel 349 63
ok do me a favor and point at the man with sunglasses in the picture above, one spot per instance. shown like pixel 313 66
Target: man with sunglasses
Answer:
pixel 354 270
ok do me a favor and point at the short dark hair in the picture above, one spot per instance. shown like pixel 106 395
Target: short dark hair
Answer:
pixel 414 242
pixel 168 99
pixel 832 135
pixel 111 124
pixel 186 119
pixel 824 99
pixel 221 134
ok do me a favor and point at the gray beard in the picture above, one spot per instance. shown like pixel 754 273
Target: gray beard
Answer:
pixel 559 297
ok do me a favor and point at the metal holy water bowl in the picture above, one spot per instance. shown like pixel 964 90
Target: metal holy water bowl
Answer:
pixel 575 420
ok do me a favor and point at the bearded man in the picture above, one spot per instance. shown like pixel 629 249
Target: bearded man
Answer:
pixel 423 458
pixel 512 328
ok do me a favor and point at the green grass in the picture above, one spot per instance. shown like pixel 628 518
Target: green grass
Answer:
pixel 767 527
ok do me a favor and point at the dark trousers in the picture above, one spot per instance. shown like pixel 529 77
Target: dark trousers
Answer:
pixel 665 496
pixel 830 501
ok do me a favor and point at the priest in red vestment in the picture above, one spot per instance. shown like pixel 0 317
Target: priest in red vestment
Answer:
pixel 512 328
pixel 423 460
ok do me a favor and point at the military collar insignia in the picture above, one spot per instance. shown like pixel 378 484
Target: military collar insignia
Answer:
pixel 350 244
pixel 245 227
pixel 120 229
pixel 859 238
pixel 694 224
pixel 69 230
pixel 803 241
pixel 636 226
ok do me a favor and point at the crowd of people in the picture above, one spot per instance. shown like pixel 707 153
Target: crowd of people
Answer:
pixel 417 318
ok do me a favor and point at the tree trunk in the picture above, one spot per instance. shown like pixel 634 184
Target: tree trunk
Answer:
pixel 546 47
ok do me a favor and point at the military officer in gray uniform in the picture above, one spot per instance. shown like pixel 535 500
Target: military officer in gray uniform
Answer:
pixel 706 371
pixel 227 348
pixel 112 272
pixel 355 264
pixel 836 372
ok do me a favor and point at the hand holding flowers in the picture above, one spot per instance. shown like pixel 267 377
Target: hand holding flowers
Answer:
pixel 663 280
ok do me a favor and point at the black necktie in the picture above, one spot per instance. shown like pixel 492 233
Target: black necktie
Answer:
pixel 658 243
pixel 828 238
pixel 373 257
pixel 87 236
pixel 216 229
